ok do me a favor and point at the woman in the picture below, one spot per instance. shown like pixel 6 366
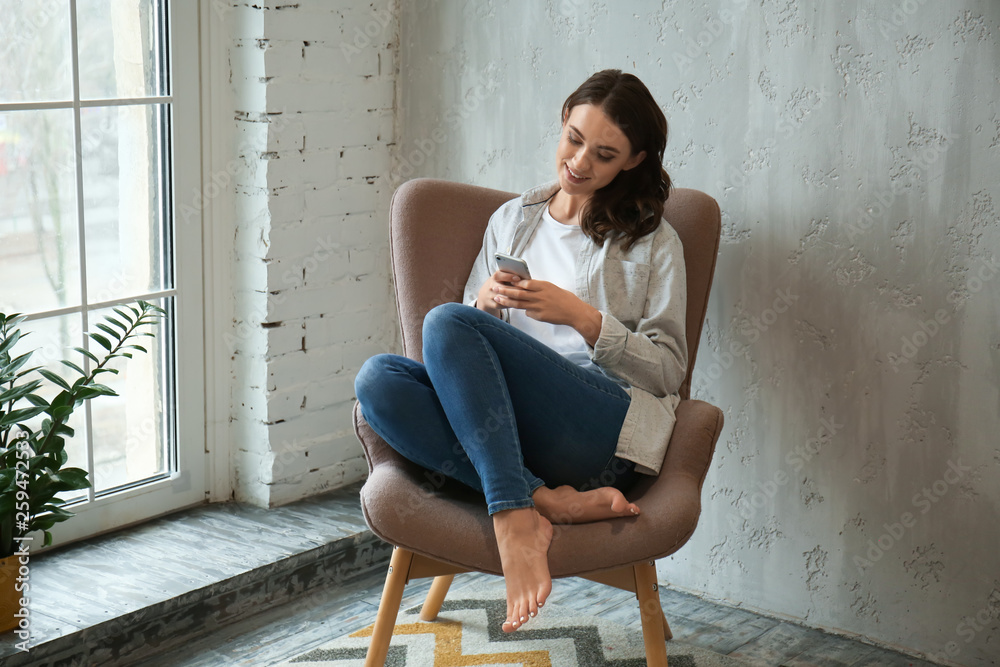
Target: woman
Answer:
pixel 559 390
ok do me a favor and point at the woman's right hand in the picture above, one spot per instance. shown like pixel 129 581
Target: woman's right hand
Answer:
pixel 485 300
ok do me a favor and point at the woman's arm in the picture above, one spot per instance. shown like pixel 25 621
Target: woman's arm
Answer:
pixel 479 288
pixel 654 356
pixel 480 268
pixel 479 283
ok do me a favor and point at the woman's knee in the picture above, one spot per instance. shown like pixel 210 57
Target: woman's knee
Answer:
pixel 442 321
pixel 372 377
pixel 442 315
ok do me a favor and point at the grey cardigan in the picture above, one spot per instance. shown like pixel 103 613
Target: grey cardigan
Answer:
pixel 642 296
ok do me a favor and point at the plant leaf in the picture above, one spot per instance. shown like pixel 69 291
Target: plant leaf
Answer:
pixel 114 333
pixel 37 400
pixel 73 366
pixel 105 343
pixel 52 377
pixel 103 390
pixel 10 341
pixel 87 353
pixel 70 479
pixel 62 398
pixel 19 392
pixel 116 323
pixel 62 412
pixel 15 416
pixel 17 362
pixel 12 320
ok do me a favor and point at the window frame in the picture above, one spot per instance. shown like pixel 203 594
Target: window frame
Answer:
pixel 184 484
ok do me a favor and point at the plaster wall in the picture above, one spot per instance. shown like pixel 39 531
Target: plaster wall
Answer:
pixel 852 337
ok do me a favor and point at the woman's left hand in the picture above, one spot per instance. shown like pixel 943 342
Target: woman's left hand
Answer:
pixel 546 302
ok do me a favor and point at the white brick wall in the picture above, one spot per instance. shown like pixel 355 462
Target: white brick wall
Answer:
pixel 314 88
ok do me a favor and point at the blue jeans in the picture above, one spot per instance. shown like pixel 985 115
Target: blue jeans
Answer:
pixel 496 409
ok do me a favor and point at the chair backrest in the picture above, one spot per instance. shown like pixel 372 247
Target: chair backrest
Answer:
pixel 437 230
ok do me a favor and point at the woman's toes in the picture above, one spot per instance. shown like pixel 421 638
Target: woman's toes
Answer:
pixel 513 621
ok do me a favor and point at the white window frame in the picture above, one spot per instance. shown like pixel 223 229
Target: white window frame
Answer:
pixel 218 215
pixel 185 485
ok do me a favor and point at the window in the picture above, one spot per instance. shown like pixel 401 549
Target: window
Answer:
pixel 98 135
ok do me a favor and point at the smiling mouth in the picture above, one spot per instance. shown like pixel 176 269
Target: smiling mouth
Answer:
pixel 573 174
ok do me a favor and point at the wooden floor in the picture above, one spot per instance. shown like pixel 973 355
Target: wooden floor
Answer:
pixel 288 631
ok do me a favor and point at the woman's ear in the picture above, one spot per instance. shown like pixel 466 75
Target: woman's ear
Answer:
pixel 634 161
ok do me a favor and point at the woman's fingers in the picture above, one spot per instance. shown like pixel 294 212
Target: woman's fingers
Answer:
pixel 502 276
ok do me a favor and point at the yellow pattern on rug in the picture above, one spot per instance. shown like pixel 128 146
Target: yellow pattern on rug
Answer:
pixel 448 647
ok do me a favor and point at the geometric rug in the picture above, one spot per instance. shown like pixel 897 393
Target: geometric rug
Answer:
pixel 467 632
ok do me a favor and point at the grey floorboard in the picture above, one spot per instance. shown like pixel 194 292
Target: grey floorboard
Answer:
pixel 779 644
pixel 286 632
pixel 880 657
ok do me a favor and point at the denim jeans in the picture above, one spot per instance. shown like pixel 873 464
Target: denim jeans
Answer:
pixel 496 409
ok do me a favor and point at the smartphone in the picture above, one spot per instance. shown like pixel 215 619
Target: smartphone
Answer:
pixel 513 265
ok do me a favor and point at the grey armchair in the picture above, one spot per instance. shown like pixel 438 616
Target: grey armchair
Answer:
pixel 441 528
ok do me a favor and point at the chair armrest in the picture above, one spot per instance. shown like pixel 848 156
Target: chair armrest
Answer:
pixel 377 450
pixel 673 498
pixel 692 444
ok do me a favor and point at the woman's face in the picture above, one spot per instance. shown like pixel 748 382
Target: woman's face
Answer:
pixel 592 150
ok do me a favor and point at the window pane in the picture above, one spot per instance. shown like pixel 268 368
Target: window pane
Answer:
pixel 129 429
pixel 35 62
pixel 120 43
pixel 124 194
pixel 39 237
pixel 52 340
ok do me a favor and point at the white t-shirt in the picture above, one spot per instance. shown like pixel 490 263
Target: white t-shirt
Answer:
pixel 551 254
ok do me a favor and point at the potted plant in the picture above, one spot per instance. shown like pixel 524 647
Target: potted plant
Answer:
pixel 32 455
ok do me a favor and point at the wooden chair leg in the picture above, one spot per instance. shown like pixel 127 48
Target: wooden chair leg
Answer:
pixel 435 597
pixel 651 613
pixel 667 633
pixel 388 608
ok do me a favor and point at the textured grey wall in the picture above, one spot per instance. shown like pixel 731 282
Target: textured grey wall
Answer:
pixel 852 335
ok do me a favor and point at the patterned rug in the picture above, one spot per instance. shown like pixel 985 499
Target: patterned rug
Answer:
pixel 467 632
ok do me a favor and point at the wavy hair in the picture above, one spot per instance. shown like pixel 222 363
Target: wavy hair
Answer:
pixel 632 203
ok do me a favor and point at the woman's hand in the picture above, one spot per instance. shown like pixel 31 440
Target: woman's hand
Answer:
pixel 546 302
pixel 487 293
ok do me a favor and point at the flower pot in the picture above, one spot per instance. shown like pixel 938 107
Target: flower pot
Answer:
pixel 10 599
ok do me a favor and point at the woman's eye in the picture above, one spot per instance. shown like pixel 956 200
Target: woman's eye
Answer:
pixel 574 141
pixel 605 158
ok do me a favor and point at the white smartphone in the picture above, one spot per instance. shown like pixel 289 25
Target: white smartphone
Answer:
pixel 513 265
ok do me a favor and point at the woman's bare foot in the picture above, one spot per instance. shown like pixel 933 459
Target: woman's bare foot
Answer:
pixel 564 504
pixel 523 536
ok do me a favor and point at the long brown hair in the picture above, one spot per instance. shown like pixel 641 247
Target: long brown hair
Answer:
pixel 631 204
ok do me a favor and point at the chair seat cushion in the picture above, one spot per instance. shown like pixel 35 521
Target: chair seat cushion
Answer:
pixel 447 521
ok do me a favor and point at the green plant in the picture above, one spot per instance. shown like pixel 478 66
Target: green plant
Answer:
pixel 32 459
